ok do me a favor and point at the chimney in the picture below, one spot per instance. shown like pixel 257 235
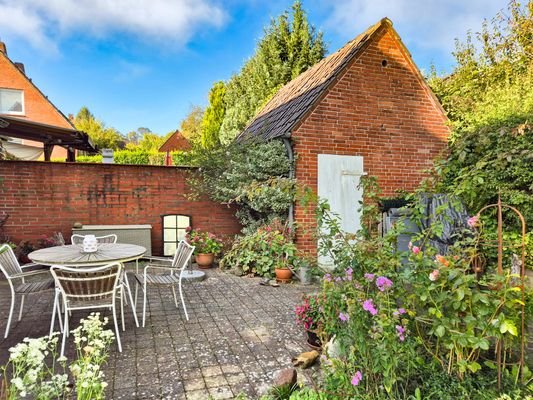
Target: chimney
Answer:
pixel 3 48
pixel 20 66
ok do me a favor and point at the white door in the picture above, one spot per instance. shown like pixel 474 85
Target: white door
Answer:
pixel 338 181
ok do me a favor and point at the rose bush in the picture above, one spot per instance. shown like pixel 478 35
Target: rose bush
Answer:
pixel 396 319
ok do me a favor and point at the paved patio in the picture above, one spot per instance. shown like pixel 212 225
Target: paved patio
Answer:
pixel 239 334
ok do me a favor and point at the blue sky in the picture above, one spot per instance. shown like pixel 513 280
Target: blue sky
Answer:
pixel 140 63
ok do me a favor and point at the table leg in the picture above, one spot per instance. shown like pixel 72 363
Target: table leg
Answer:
pixel 127 284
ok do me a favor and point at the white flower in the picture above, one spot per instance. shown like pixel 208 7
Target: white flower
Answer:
pixel 19 384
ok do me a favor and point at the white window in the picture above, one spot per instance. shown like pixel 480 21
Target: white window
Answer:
pixel 11 101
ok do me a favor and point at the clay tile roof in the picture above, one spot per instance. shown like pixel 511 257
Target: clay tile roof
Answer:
pixel 175 142
pixel 293 101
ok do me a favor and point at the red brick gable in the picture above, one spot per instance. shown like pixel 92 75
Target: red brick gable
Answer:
pixel 175 142
pixel 37 106
pixel 293 102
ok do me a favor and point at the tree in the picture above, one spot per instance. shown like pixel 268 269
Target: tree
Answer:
pixel 191 125
pixel 288 48
pixel 213 116
pixel 151 142
pixel 102 137
pixel 491 83
pixel 144 139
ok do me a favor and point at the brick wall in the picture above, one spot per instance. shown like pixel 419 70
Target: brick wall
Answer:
pixel 43 198
pixel 383 113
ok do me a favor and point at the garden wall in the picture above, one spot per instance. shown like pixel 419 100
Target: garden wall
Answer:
pixel 42 198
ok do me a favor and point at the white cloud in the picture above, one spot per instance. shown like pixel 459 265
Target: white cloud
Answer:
pixel 40 22
pixel 431 24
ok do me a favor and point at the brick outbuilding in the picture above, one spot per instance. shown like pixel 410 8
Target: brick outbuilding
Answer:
pixel 365 109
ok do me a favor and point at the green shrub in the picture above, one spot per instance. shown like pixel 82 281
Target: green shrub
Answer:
pixel 254 176
pixel 260 252
pixel 97 159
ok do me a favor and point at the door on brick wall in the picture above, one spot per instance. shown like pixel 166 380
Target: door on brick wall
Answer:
pixel 338 183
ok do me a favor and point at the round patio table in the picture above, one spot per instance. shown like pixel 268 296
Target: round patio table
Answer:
pixel 73 255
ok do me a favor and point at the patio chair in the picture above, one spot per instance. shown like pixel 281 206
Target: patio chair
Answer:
pixel 78 239
pixel 84 289
pixel 171 273
pixel 16 277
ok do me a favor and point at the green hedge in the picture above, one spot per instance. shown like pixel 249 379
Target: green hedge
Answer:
pixel 140 157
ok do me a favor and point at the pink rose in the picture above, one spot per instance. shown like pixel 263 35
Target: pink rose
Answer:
pixel 473 221
pixel 416 249
pixel 434 275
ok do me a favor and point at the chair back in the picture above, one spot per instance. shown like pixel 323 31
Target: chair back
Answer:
pixel 9 264
pixel 182 256
pixel 87 284
pixel 78 239
pixel 106 239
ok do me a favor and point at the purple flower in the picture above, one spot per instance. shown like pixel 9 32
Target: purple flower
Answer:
pixel 383 283
pixel 344 317
pixel 338 279
pixel 399 312
pixel 349 273
pixel 368 305
pixel 327 277
pixel 369 277
pixel 356 379
pixel 401 332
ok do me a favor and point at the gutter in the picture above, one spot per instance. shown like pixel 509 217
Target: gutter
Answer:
pixel 290 154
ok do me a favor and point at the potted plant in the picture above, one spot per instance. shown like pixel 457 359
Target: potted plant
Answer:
pixel 207 246
pixel 284 250
pixel 308 315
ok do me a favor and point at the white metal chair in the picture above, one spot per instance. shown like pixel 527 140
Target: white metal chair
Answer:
pixel 78 239
pixel 171 273
pixel 112 238
pixel 84 289
pixel 16 276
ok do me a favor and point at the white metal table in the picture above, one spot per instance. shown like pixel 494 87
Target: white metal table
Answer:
pixel 73 255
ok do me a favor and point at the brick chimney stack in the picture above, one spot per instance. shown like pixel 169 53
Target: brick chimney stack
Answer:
pixel 3 48
pixel 20 66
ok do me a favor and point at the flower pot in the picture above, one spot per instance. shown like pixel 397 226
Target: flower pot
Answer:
pixel 205 260
pixel 313 340
pixel 283 275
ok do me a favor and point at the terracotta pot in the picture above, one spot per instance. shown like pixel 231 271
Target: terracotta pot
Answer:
pixel 313 340
pixel 205 260
pixel 283 275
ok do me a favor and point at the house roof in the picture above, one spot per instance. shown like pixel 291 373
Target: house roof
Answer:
pixel 298 97
pixel 47 134
pixel 22 73
pixel 176 141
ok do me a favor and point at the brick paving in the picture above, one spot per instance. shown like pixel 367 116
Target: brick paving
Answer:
pixel 238 335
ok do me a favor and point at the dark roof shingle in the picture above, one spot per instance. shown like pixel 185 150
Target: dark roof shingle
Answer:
pixel 292 102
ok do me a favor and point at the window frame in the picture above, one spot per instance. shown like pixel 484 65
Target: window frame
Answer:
pixel 21 91
pixel 177 228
